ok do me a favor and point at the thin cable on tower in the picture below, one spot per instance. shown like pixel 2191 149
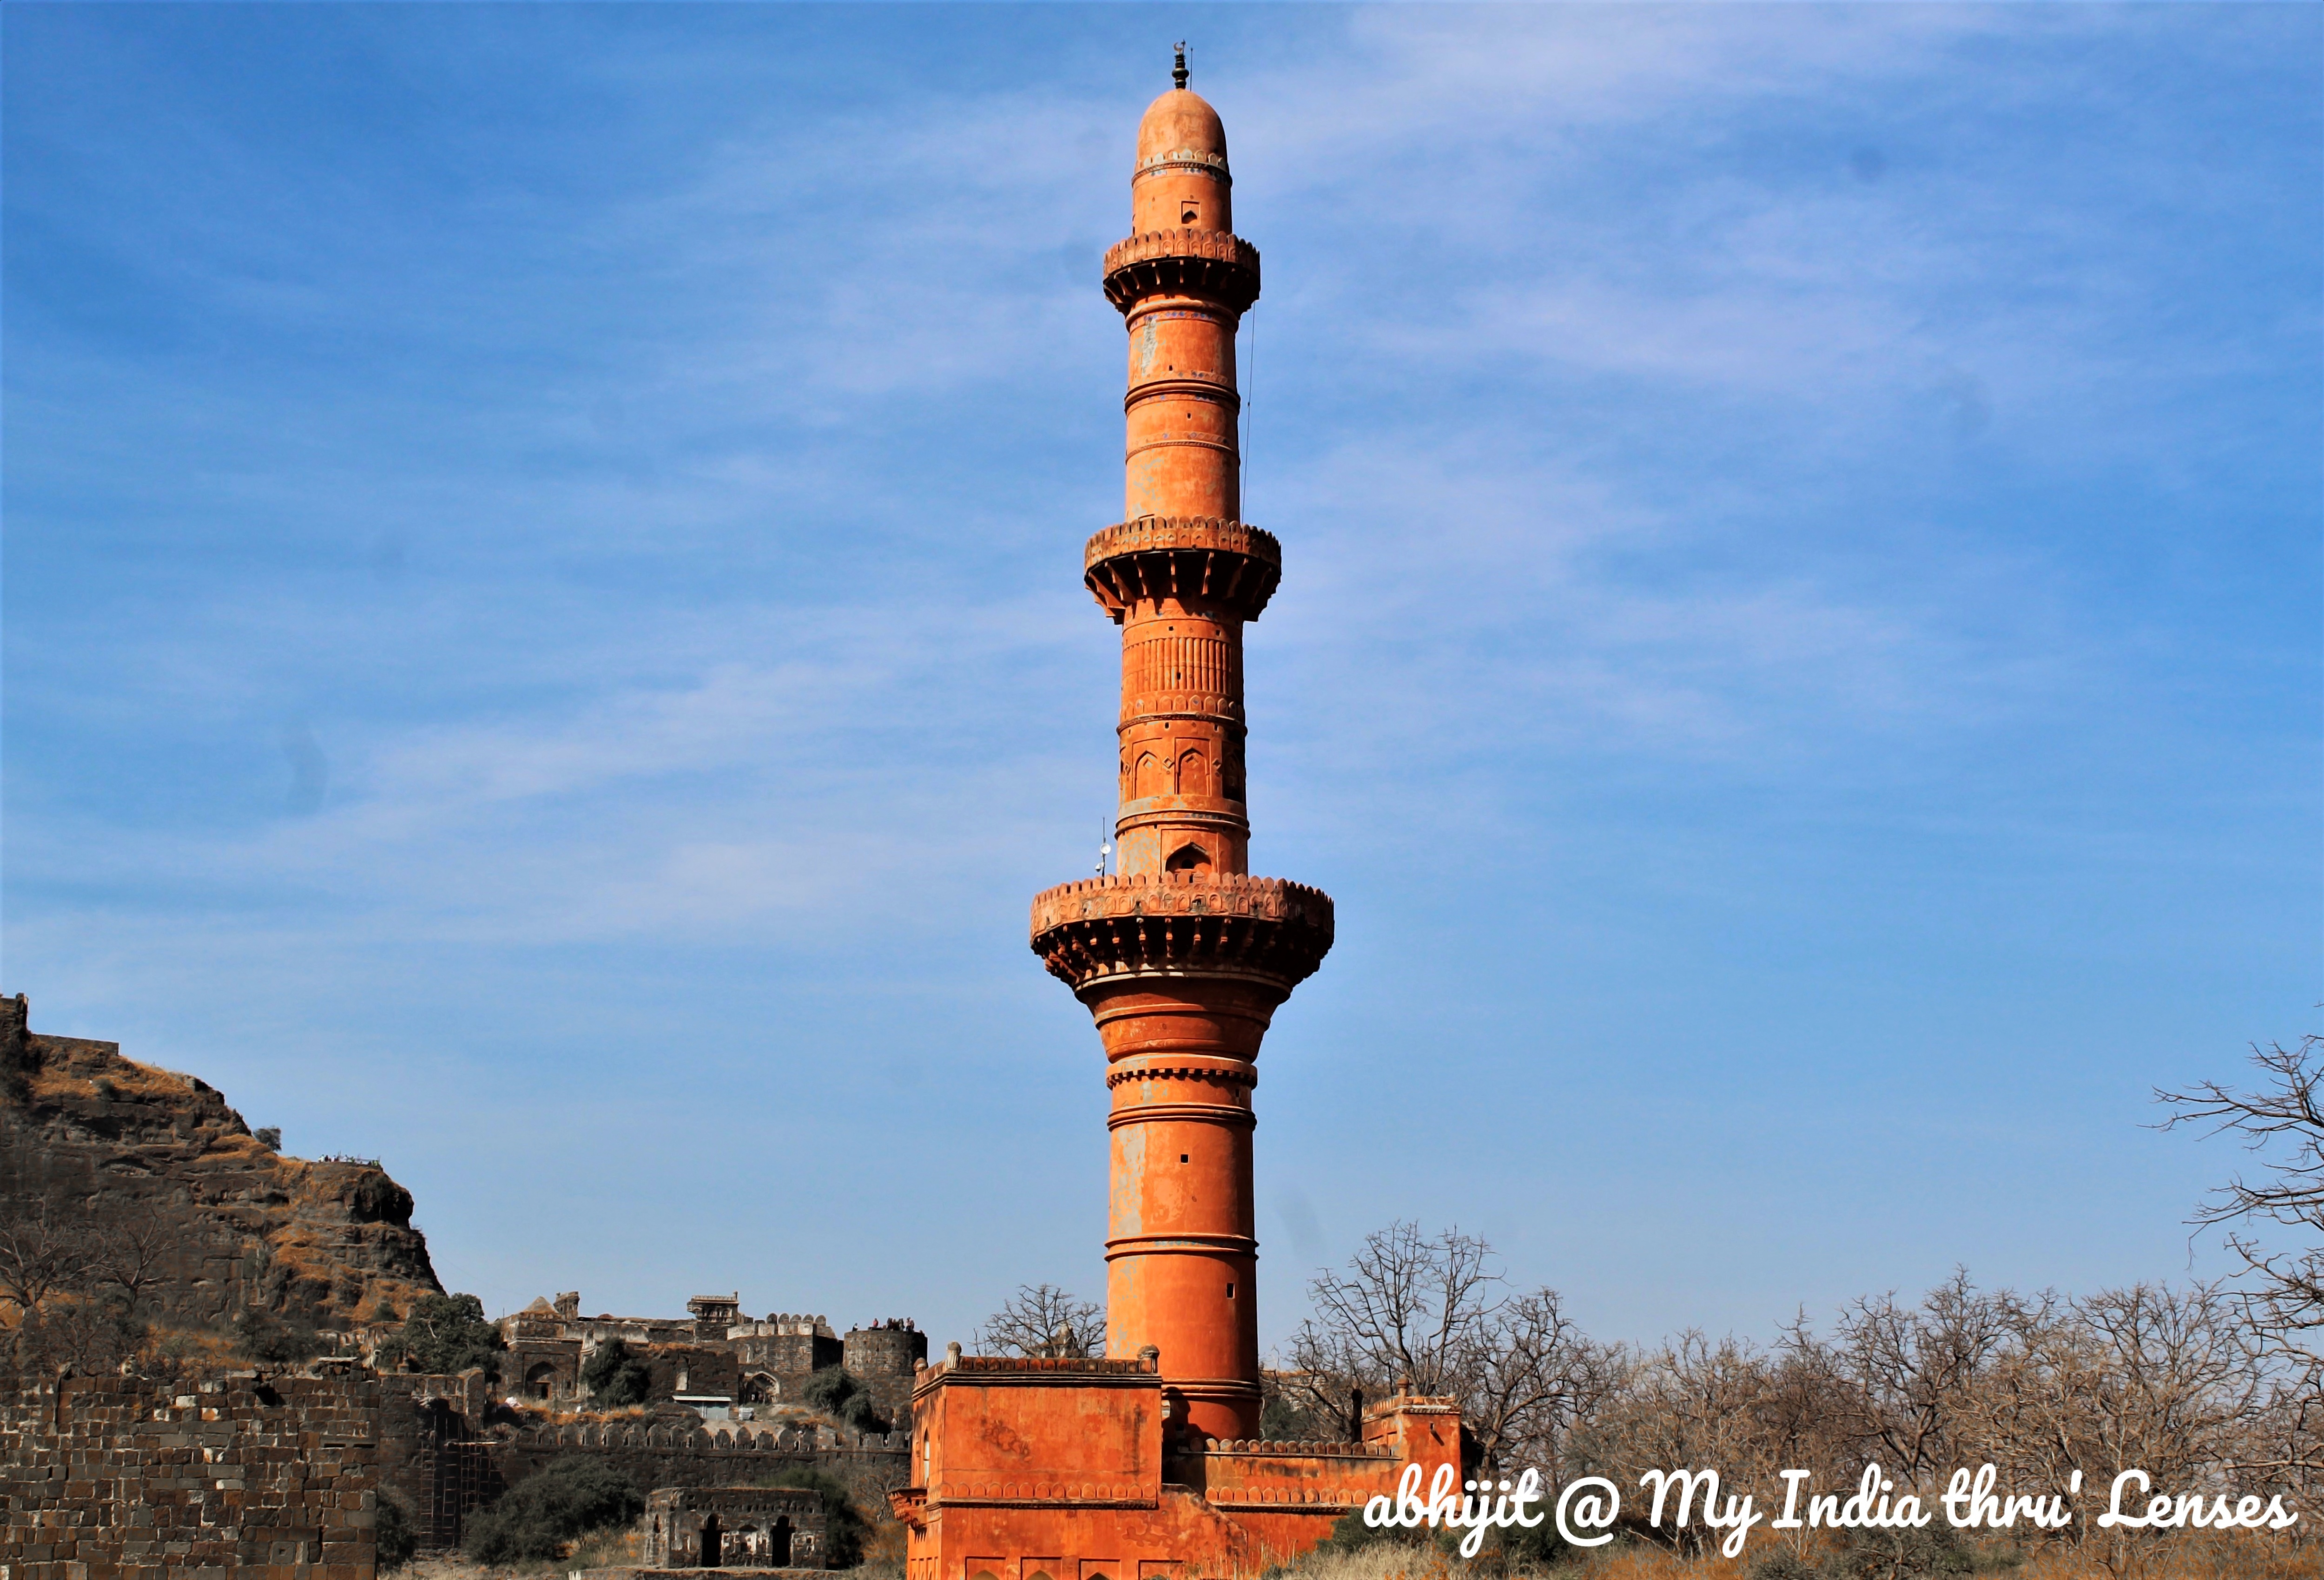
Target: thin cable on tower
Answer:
pixel 1250 382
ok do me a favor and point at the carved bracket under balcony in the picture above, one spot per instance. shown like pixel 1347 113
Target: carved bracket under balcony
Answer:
pixel 1182 262
pixel 1182 924
pixel 1183 557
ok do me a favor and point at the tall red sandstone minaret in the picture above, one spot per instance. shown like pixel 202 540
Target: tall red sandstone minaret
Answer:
pixel 1183 956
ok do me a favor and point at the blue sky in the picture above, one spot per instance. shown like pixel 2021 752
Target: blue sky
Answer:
pixel 543 637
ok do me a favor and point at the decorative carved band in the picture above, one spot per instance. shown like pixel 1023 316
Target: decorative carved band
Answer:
pixel 1333 1502
pixel 948 1498
pixel 1194 1241
pixel 1183 159
pixel 1221 1388
pixel 1183 557
pixel 1182 924
pixel 1304 1448
pixel 1181 1067
pixel 1182 262
pixel 1165 662
pixel 1185 441
pixel 1214 389
pixel 1230 1114
pixel 1180 812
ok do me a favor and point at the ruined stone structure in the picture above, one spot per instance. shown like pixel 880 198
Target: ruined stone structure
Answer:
pixel 435 1458
pixel 129 1478
pixel 735 1528
pixel 714 1353
pixel 1143 1464
pixel 279 1477
pixel 103 1143
pixel 446 1450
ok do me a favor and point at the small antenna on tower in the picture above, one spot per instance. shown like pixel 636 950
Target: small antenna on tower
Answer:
pixel 1104 849
pixel 1178 72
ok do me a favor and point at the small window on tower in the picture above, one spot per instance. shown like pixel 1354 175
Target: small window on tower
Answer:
pixel 1189 211
pixel 1229 1291
pixel 1182 1157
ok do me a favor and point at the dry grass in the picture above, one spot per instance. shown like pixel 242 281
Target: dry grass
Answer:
pixel 77 1075
pixel 605 1549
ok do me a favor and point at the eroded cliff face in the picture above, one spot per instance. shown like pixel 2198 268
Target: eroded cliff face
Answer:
pixel 113 1145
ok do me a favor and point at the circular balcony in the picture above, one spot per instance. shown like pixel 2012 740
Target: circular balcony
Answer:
pixel 1202 557
pixel 1214 265
pixel 1182 924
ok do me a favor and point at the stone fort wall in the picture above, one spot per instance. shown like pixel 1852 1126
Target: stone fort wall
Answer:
pixel 655 1457
pixel 886 1360
pixel 130 1478
pixel 443 1455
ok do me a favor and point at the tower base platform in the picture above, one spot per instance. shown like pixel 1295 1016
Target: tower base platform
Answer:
pixel 1072 1470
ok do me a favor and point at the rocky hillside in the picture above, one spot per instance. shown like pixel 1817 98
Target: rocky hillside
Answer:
pixel 154 1163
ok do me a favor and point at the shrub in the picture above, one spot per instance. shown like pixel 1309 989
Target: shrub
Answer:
pixel 269 1136
pixel 1351 1534
pixel 566 1499
pixel 836 1393
pixel 391 1528
pixel 446 1334
pixel 843 1525
pixel 276 1340
pixel 1889 1555
pixel 1536 1546
pixel 615 1377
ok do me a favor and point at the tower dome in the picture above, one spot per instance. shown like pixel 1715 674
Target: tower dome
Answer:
pixel 1181 127
pixel 1181 181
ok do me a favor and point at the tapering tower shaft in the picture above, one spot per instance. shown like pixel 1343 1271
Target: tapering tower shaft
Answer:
pixel 1182 281
pixel 1182 957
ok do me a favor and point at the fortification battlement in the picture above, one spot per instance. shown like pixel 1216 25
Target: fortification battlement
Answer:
pixel 739 1437
pixel 1180 894
pixel 1076 1366
pixel 885 1351
pixel 1237 1447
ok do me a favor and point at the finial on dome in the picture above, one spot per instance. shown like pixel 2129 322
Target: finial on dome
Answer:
pixel 1178 72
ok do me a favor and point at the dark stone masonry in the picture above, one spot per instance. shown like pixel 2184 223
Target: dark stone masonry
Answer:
pixel 263 1477
pixel 735 1528
pixel 129 1478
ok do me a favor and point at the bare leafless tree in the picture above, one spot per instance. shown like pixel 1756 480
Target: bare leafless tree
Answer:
pixel 42 1254
pixel 1405 1313
pixel 1904 1370
pixel 2283 1121
pixel 130 1256
pixel 1044 1320
pixel 1431 1313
